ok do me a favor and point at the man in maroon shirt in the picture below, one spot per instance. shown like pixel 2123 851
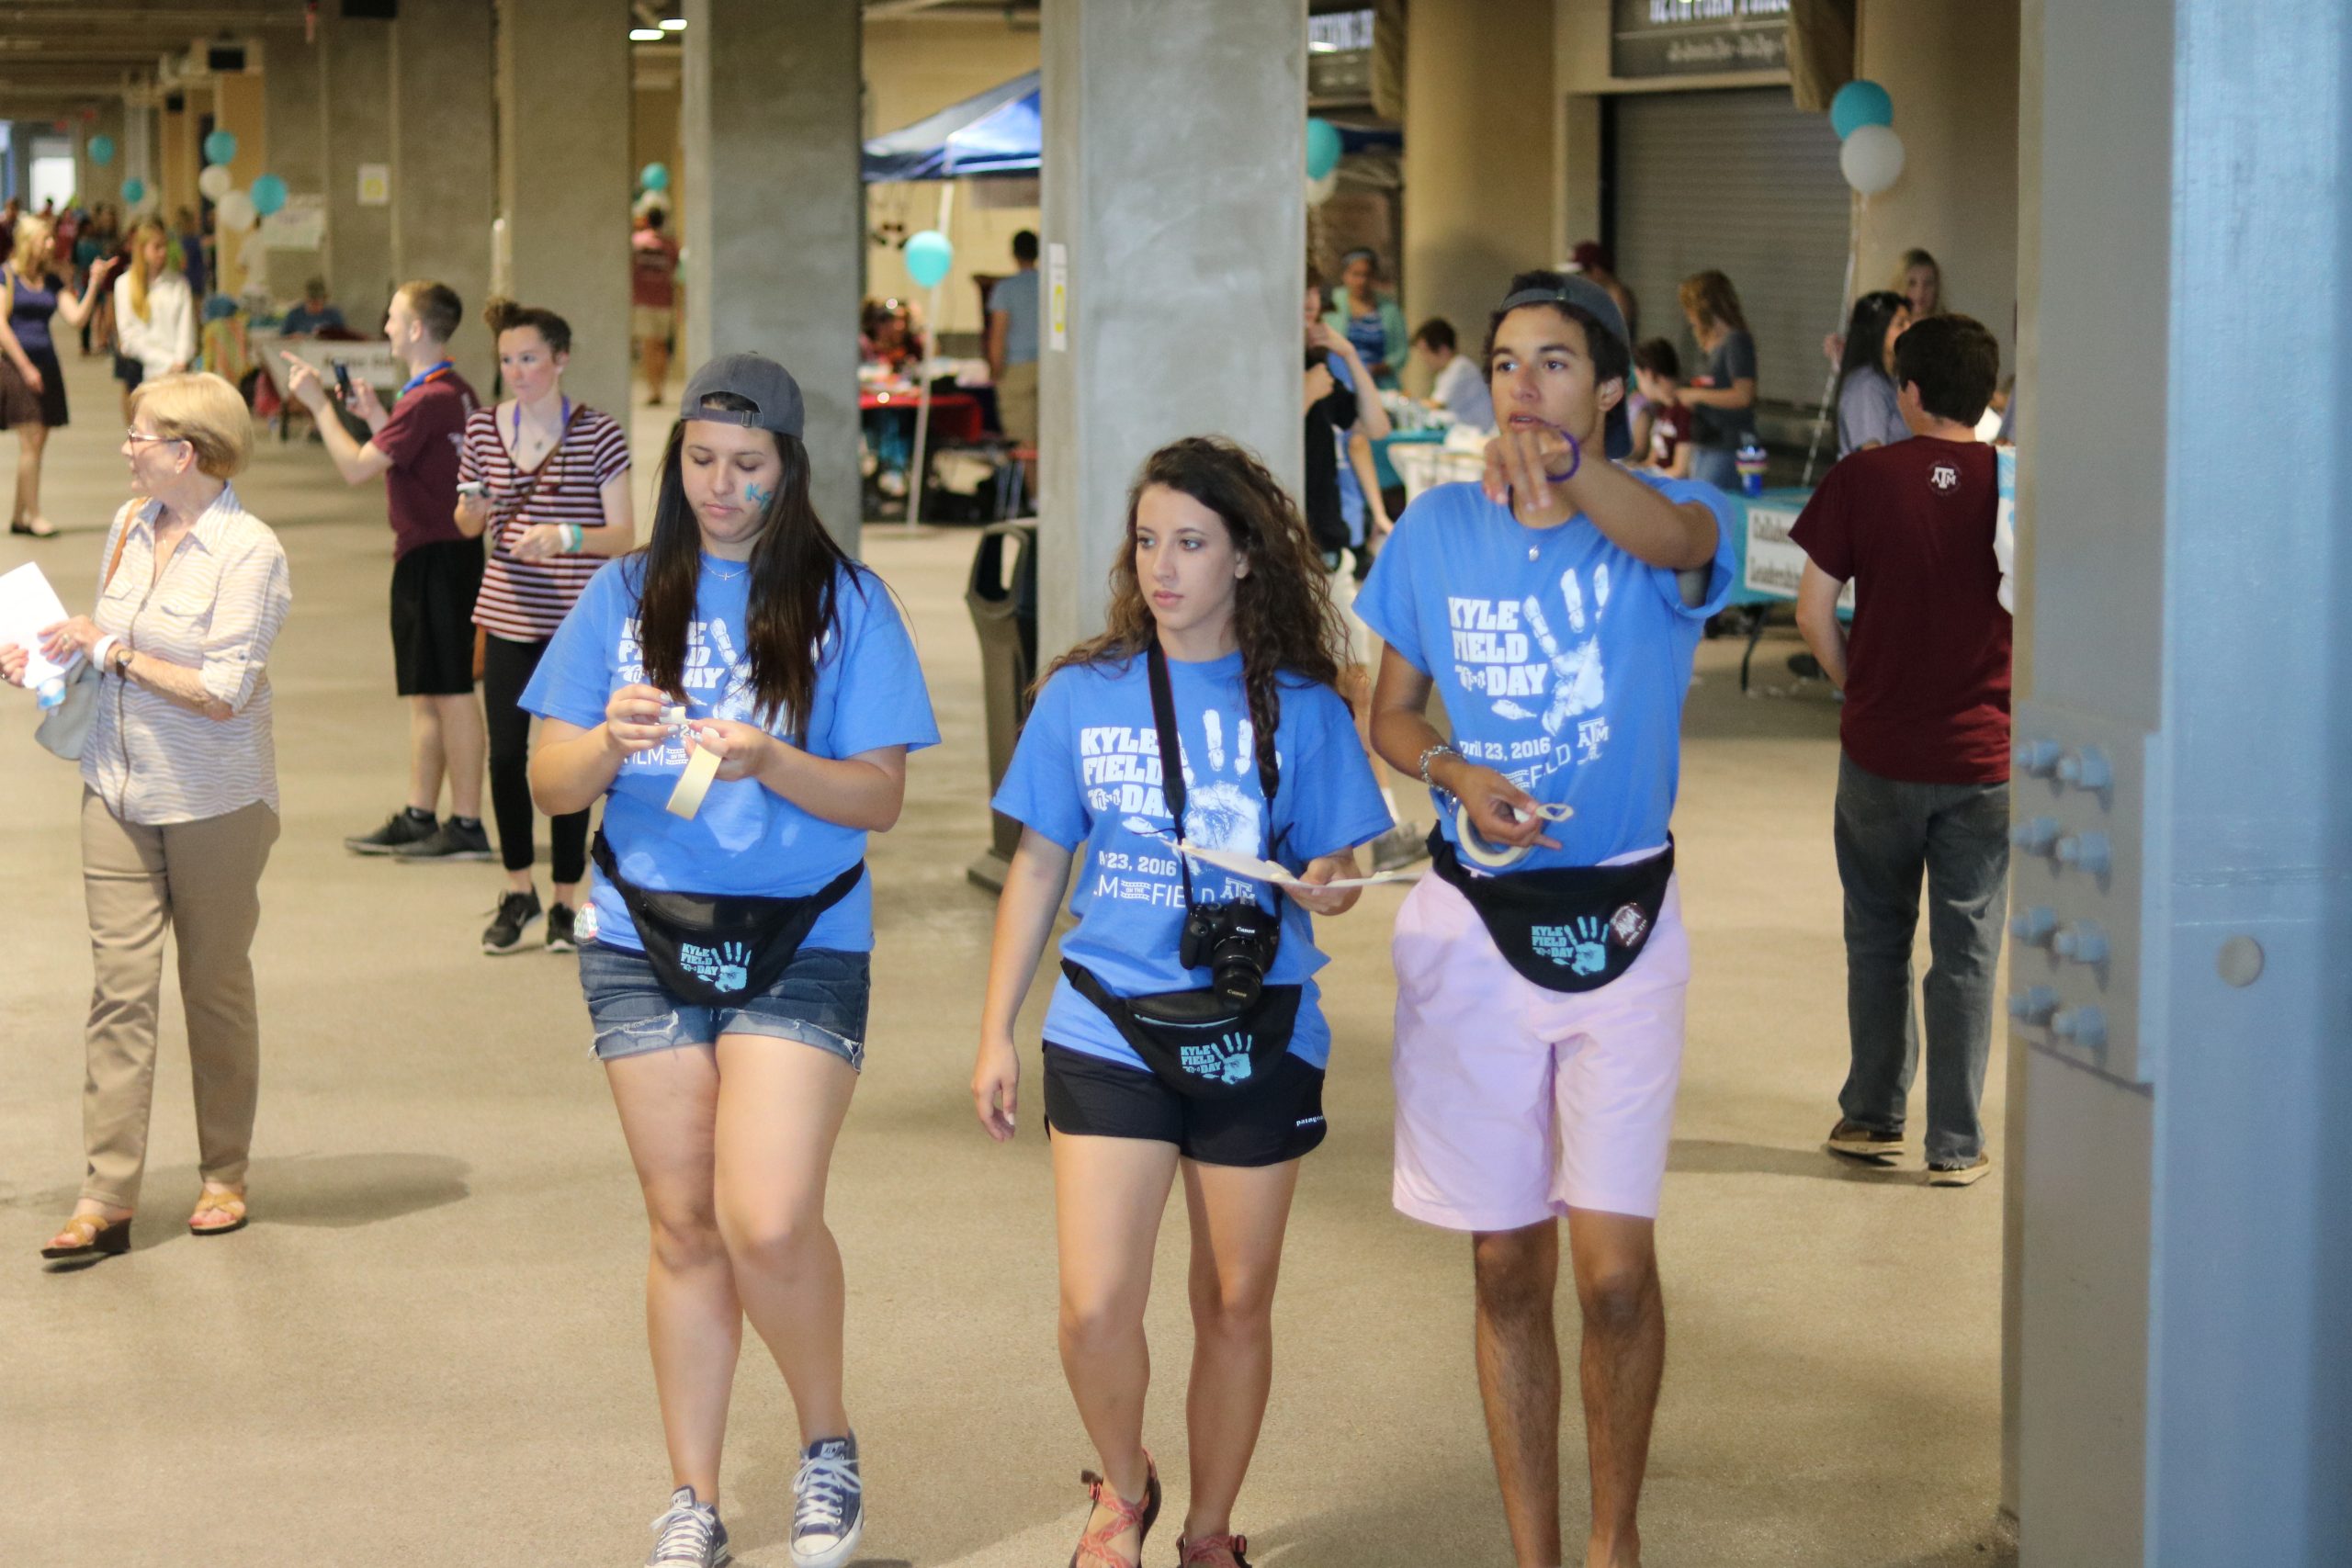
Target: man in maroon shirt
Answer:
pixel 1923 784
pixel 437 569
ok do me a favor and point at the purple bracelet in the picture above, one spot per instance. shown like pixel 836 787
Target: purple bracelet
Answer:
pixel 1575 454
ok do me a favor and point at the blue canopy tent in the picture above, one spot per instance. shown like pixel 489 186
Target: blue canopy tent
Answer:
pixel 1000 132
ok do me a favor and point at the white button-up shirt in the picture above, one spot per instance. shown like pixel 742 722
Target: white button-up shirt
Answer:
pixel 217 610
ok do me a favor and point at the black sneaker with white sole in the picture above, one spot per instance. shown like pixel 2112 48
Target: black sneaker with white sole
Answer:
pixel 561 929
pixel 1856 1142
pixel 689 1535
pixel 1959 1173
pixel 455 840
pixel 828 1505
pixel 400 829
pixel 505 933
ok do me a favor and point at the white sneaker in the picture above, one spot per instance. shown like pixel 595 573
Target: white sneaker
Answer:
pixel 829 1505
pixel 689 1535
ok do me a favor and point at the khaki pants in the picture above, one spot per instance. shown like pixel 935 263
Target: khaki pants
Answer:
pixel 204 880
pixel 1016 403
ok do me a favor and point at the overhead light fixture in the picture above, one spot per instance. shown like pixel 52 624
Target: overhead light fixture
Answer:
pixel 645 35
pixel 673 23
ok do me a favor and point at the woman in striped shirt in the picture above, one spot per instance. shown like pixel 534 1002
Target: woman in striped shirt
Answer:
pixel 548 479
pixel 179 799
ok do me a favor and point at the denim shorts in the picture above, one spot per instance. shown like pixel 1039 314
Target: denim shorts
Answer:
pixel 820 999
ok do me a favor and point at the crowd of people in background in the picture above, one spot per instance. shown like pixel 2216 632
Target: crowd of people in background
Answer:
pixel 739 698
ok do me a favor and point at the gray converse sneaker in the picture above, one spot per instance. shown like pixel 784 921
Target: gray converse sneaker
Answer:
pixel 689 1535
pixel 829 1505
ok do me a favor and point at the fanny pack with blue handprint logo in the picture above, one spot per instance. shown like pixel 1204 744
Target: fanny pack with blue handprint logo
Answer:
pixel 1571 927
pixel 718 950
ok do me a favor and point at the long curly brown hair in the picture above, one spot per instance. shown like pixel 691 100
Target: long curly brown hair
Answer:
pixel 1283 614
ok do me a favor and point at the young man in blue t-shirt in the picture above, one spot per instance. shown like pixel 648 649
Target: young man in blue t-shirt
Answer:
pixel 1558 605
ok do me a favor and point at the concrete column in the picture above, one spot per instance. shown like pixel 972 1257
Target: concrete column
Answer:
pixel 444 182
pixel 564 178
pixel 355 116
pixel 1479 167
pixel 178 159
pixel 242 114
pixel 291 117
pixel 1184 235
pixel 773 237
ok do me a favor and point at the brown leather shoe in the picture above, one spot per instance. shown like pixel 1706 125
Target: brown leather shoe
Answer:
pixel 211 1202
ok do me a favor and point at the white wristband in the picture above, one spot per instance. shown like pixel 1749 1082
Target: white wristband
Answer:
pixel 106 645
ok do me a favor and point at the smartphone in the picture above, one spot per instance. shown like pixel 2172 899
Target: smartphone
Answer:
pixel 476 489
pixel 343 379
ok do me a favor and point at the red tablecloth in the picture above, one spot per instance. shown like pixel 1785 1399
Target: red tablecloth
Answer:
pixel 954 416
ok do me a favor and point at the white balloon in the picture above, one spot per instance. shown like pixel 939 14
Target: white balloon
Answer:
pixel 235 211
pixel 216 181
pixel 1871 158
pixel 1320 191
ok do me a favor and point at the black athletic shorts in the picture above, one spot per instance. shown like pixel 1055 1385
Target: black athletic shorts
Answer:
pixel 1280 1120
pixel 432 618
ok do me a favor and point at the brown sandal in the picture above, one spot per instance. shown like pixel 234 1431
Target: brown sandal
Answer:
pixel 1094 1549
pixel 210 1202
pixel 1213 1551
pixel 91 1236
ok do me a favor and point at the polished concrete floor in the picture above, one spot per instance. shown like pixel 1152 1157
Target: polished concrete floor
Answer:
pixel 428 1347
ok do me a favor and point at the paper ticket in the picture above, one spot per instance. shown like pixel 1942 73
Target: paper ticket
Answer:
pixel 1259 870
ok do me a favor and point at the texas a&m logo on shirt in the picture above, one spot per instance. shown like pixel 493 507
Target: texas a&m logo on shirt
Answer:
pixel 1945 478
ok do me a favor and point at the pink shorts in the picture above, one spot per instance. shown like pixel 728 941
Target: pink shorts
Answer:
pixel 1515 1103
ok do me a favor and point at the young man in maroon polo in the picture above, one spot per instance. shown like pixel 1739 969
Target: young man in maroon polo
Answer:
pixel 1923 784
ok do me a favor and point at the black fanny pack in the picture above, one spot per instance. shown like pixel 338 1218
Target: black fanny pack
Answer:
pixel 1195 1041
pixel 1572 927
pixel 1201 1042
pixel 716 948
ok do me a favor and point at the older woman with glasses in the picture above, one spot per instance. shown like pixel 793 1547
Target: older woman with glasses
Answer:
pixel 179 799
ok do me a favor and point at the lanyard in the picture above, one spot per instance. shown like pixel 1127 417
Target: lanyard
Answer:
pixel 560 429
pixel 420 378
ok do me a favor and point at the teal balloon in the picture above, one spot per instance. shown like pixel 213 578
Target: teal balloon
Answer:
pixel 134 190
pixel 101 151
pixel 1322 148
pixel 1859 103
pixel 268 194
pixel 654 176
pixel 220 146
pixel 929 257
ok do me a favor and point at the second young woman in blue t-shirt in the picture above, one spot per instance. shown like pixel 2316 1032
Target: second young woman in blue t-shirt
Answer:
pixel 1219 587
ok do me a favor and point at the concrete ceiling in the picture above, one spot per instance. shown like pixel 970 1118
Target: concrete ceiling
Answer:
pixel 57 56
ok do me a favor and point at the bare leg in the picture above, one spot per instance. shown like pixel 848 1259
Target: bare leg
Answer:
pixel 654 354
pixel 1239 1215
pixel 1623 1363
pixel 781 1104
pixel 1518 1379
pixel 425 757
pixel 668 1102
pixel 31 440
pixel 1109 1194
pixel 463 745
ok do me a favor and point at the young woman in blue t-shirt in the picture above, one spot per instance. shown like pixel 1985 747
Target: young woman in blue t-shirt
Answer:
pixel 742 631
pixel 1219 573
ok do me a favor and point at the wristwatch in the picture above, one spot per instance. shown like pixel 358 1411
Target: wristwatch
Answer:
pixel 118 660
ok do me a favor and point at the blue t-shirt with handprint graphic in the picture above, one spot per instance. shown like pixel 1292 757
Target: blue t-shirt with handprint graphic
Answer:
pixel 746 839
pixel 1086 772
pixel 1561 659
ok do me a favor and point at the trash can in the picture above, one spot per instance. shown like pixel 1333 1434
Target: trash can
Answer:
pixel 1002 597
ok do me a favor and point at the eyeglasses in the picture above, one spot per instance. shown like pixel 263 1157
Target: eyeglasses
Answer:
pixel 135 437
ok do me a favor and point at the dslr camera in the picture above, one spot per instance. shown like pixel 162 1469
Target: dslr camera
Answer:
pixel 1235 944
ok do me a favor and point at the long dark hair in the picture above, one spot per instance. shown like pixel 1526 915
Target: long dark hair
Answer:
pixel 1866 333
pixel 1283 614
pixel 794 566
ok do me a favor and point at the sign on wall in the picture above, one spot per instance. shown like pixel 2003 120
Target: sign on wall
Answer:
pixel 1697 38
pixel 1775 562
pixel 375 184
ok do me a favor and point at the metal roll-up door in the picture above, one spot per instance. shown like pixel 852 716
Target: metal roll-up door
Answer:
pixel 1744 182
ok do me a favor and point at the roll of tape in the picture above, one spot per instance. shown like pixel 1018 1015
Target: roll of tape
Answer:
pixel 1478 851
pixel 701 769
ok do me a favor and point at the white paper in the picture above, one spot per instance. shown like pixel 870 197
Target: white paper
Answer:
pixel 1057 296
pixel 1259 870
pixel 28 604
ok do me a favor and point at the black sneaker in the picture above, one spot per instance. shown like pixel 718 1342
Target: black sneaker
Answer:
pixel 402 828
pixel 515 912
pixel 689 1535
pixel 560 934
pixel 829 1505
pixel 1857 1142
pixel 453 839
pixel 1399 847
pixel 1954 1174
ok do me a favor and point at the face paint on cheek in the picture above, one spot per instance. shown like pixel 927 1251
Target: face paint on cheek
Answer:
pixel 757 494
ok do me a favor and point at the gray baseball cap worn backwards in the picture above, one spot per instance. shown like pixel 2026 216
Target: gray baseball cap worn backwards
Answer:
pixel 759 381
pixel 1590 297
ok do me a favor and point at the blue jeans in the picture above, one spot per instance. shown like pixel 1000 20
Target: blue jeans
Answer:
pixel 1888 833
pixel 1719 466
pixel 820 1000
